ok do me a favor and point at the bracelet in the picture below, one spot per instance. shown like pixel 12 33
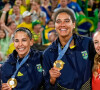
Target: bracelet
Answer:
pixel 4 12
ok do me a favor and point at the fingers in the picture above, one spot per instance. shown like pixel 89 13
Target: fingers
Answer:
pixel 54 73
pixel 5 86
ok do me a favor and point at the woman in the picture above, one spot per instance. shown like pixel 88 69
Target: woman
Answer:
pixel 96 67
pixel 22 70
pixel 67 62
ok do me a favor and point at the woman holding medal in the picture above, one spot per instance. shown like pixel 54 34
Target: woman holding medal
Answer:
pixel 22 70
pixel 67 62
pixel 96 67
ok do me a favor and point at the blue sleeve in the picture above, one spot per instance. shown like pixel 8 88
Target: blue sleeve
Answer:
pixel 46 68
pixel 78 8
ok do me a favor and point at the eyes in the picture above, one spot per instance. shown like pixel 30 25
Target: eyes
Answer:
pixel 23 40
pixel 65 21
pixel 96 43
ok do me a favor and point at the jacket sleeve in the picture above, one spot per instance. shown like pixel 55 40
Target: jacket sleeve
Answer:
pixel 46 67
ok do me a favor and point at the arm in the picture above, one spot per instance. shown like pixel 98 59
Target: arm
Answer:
pixel 6 28
pixel 50 74
pixel 47 9
pixel 81 12
pixel 5 10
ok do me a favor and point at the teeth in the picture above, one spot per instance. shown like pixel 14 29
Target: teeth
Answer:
pixel 63 29
pixel 21 49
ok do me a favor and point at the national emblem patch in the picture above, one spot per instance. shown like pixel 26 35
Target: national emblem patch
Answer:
pixel 84 54
pixel 39 67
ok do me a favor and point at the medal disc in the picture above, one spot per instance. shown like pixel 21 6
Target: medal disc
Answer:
pixel 12 82
pixel 59 64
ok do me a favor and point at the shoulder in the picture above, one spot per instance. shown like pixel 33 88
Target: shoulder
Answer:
pixel 82 40
pixel 51 48
pixel 35 55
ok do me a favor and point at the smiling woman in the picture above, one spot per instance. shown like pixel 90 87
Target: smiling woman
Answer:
pixel 18 71
pixel 67 62
pixel 96 67
pixel 22 42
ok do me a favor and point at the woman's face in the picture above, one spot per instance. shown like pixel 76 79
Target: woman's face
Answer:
pixel 22 43
pixel 2 34
pixel 34 5
pixel 96 40
pixel 64 25
pixel 18 2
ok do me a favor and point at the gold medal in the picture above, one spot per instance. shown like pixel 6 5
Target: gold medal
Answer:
pixel 58 64
pixel 12 82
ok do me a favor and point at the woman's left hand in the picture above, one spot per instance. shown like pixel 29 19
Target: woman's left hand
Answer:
pixel 5 86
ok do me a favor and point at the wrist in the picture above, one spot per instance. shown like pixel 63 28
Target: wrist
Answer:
pixel 3 11
pixel 52 81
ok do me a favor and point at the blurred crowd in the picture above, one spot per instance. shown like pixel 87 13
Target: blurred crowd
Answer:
pixel 37 16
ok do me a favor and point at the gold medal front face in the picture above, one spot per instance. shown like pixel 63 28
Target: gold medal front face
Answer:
pixel 12 82
pixel 59 64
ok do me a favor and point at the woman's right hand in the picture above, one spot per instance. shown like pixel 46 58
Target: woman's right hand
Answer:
pixel 5 86
pixel 54 74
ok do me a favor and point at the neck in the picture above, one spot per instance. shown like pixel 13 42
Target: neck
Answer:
pixel 64 40
pixel 63 6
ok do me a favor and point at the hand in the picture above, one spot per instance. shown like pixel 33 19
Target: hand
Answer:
pixel 17 17
pixel 54 74
pixel 5 86
pixel 7 7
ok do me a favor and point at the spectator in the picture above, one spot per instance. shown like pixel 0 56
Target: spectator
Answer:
pixel 27 21
pixel 21 4
pixel 63 4
pixel 74 6
pixel 4 2
pixel 45 7
pixel 16 16
pixel 4 42
pixel 48 28
pixel 53 5
pixel 37 13
pixel 52 36
pixel 37 32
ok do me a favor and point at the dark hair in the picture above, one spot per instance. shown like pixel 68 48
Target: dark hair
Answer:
pixel 23 29
pixel 10 23
pixel 50 21
pixel 37 1
pixel 3 32
pixel 64 10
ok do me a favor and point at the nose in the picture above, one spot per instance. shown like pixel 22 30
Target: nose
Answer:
pixel 62 23
pixel 99 44
pixel 20 43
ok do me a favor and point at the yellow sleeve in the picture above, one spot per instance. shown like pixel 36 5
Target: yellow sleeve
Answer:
pixel 22 9
pixel 11 11
pixel 10 49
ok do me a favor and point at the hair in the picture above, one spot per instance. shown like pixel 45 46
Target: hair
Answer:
pixel 3 32
pixel 55 33
pixel 23 29
pixel 96 62
pixel 64 10
pixel 50 21
pixel 37 1
pixel 10 23
pixel 96 32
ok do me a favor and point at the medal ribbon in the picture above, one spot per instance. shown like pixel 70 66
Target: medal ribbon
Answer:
pixel 19 65
pixel 61 52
